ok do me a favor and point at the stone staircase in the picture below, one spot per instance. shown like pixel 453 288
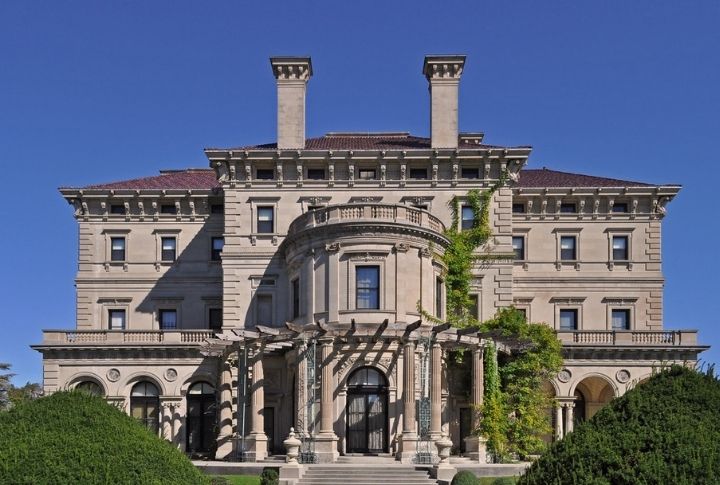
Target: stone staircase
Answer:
pixel 365 474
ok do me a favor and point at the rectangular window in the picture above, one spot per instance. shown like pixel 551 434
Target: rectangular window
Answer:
pixel 467 218
pixel 474 306
pixel 620 248
pixel 117 209
pixel 296 298
pixel 168 319
pixel 217 209
pixel 169 248
pixel 264 309
pixel 418 173
pixel 168 209
pixel 523 312
pixel 568 208
pixel 117 249
pixel 366 174
pixel 439 297
pixel 116 319
pixel 518 244
pixel 568 248
pixel 265 220
pixel 621 319
pixel 470 173
pixel 316 174
pixel 620 208
pixel 518 208
pixel 265 174
pixel 569 319
pixel 367 287
pixel 215 318
pixel 217 246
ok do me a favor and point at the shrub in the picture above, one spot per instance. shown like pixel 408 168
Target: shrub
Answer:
pixel 74 437
pixel 666 430
pixel 269 476
pixel 504 481
pixel 464 478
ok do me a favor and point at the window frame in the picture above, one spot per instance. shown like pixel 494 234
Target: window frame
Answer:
pixel 113 258
pixel 462 220
pixel 260 208
pixel 376 289
pixel 165 253
pixel 110 312
pixel 295 310
pixel 213 310
pixel 523 249
pixel 576 317
pixel 168 311
pixel 628 318
pixel 216 254
pixel 568 303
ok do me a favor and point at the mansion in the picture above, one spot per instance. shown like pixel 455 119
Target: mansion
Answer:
pixel 285 286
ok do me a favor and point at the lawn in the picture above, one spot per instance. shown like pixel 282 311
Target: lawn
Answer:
pixel 493 480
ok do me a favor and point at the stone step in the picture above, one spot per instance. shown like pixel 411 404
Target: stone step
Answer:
pixel 380 474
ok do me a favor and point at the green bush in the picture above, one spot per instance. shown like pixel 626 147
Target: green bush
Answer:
pixel 666 430
pixel 74 437
pixel 504 481
pixel 464 478
pixel 269 476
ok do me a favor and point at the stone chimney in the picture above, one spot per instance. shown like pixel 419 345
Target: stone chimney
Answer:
pixel 292 74
pixel 443 73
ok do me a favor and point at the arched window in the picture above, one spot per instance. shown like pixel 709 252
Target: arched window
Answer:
pixel 145 404
pixel 366 412
pixel 366 377
pixel 201 418
pixel 90 387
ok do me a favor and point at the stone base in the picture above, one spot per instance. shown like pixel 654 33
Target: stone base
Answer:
pixel 225 448
pixel 475 449
pixel 290 473
pixel 443 473
pixel 407 448
pixel 256 447
pixel 326 447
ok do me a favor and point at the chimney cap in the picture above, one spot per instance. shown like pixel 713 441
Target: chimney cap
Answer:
pixel 447 65
pixel 283 66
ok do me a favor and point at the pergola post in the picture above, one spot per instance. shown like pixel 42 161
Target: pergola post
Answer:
pixel 225 435
pixel 436 391
pixel 326 440
pixel 475 445
pixel 257 441
pixel 408 440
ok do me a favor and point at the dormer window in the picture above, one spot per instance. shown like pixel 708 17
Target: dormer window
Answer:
pixel 568 208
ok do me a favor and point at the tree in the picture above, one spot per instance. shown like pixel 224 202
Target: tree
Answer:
pixel 4 386
pixel 30 391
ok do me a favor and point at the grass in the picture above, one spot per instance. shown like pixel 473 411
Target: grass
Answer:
pixel 241 479
pixel 491 480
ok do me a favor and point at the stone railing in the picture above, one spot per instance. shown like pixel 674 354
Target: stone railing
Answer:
pixel 125 337
pixel 397 213
pixel 639 338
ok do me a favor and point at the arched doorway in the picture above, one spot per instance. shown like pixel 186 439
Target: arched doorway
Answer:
pixel 201 418
pixel 90 387
pixel 366 413
pixel 579 409
pixel 145 404
pixel 591 394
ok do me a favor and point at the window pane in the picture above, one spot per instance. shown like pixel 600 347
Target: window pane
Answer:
pixel 168 248
pixel 168 243
pixel 620 207
pixel 621 319
pixel 367 281
pixel 467 217
pixel 168 319
pixel 265 174
pixel 316 173
pixel 418 173
pixel 366 174
pixel 117 319
pixel 438 297
pixel 470 173
pixel 296 298
pixel 217 246
pixel 518 208
pixel 117 249
pixel 117 209
pixel 567 248
pixel 167 209
pixel 518 244
pixel 620 248
pixel 568 319
pixel 265 220
pixel 567 207
pixel 474 306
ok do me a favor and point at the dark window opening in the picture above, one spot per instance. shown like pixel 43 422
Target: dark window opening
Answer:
pixel 217 209
pixel 439 297
pixel 569 319
pixel 367 287
pixel 215 318
pixel 518 245
pixel 168 319
pixel 117 249
pixel 568 208
pixel 419 173
pixel 217 246
pixel 168 209
pixel 568 248
pixel 265 174
pixel 518 208
pixel 296 297
pixel 117 209
pixel 470 173
pixel 316 174
pixel 265 220
pixel 169 248
pixel 474 306
pixel 620 208
pixel 264 309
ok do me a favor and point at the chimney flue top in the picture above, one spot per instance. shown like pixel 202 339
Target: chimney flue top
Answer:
pixel 443 74
pixel 292 74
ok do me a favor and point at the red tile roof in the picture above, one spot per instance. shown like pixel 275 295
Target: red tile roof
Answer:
pixel 192 178
pixel 539 178
pixel 368 141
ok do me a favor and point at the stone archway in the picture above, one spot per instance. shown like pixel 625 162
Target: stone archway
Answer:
pixel 591 394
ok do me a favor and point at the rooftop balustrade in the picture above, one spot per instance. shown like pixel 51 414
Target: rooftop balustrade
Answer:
pixel 91 338
pixel 628 338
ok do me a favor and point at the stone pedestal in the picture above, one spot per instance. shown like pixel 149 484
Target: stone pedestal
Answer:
pixel 476 449
pixel 443 472
pixel 292 471
pixel 326 447
pixel 407 447
pixel 256 447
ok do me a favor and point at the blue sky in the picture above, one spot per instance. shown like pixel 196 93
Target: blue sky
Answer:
pixel 100 91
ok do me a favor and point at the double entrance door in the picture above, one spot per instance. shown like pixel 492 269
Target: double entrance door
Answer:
pixel 367 421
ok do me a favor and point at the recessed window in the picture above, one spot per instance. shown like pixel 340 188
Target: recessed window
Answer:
pixel 621 319
pixel 264 309
pixel 568 208
pixel 467 218
pixel 523 312
pixel 117 209
pixel 518 244
pixel 470 173
pixel 474 308
pixel 116 319
pixel 217 209
pixel 265 220
pixel 419 173
pixel 439 283
pixel 215 318
pixel 296 298
pixel 265 174
pixel 620 248
pixel 620 208
pixel 117 249
pixel 367 287
pixel 568 248
pixel 366 174
pixel 316 174
pixel 217 246
pixel 167 319
pixel 168 209
pixel 569 319
pixel 518 208
pixel 169 248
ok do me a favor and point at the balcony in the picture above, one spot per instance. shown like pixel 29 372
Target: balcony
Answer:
pixel 123 338
pixel 628 338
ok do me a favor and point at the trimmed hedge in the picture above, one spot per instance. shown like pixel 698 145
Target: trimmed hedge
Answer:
pixel 464 477
pixel 74 437
pixel 666 430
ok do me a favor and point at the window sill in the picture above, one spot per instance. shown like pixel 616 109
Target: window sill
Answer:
pixel 567 262
pixel 118 264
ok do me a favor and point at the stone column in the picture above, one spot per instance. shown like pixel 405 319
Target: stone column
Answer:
pixel 559 422
pixel 569 408
pixel 436 392
pixel 166 420
pixel 225 434
pixel 308 274
pixel 326 440
pixel 302 425
pixel 257 441
pixel 178 429
pixel 333 262
pixel 408 440
pixel 475 445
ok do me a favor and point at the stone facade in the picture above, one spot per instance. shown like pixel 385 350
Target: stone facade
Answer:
pixel 223 306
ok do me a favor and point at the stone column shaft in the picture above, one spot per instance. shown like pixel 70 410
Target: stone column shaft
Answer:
pixel 225 444
pixel 409 388
pixel 326 391
pixel 478 383
pixel 257 395
pixel 436 391
pixel 559 422
pixel 301 421
pixel 569 417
